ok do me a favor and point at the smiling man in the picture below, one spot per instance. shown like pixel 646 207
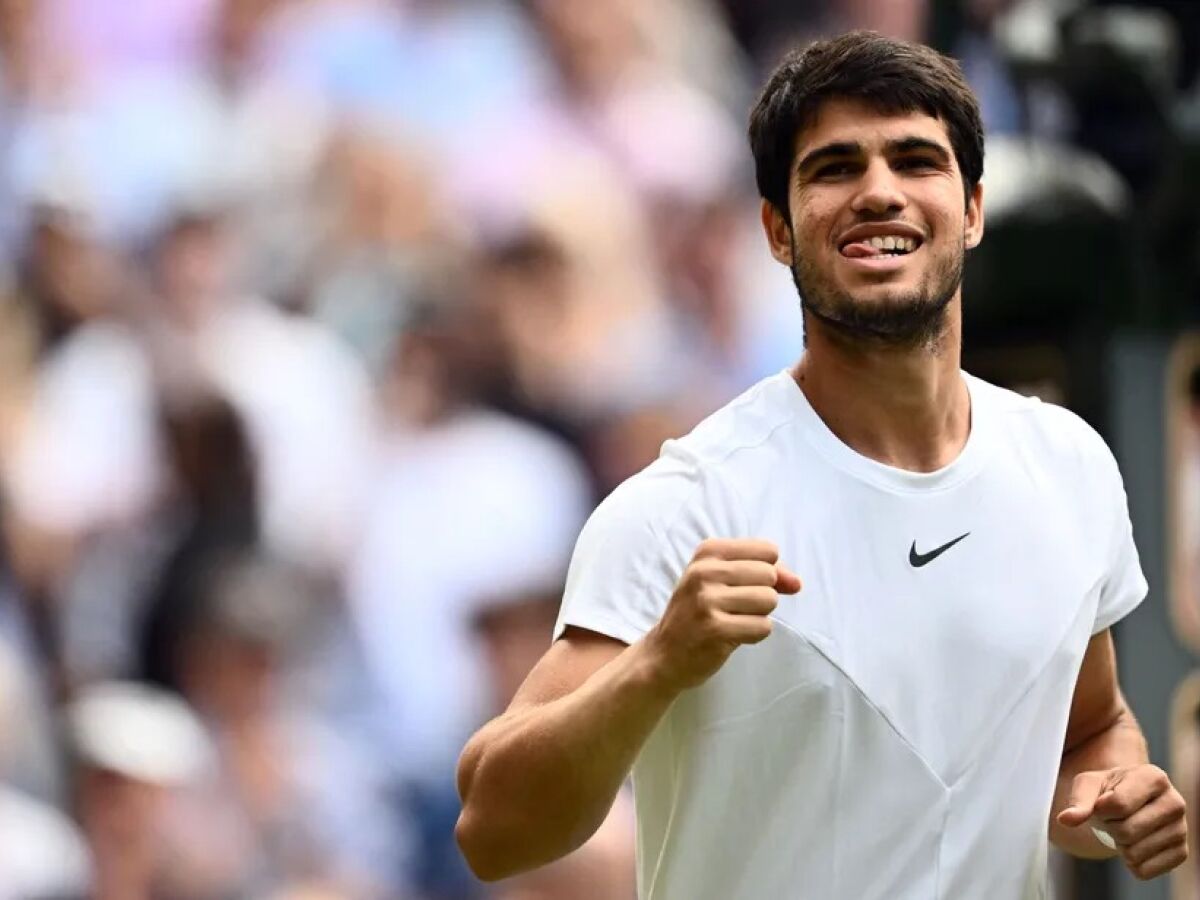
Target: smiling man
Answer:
pixel 940 701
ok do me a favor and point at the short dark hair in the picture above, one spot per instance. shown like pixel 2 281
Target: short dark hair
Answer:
pixel 889 75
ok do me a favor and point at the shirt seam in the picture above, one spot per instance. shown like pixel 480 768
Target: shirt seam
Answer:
pixel 869 702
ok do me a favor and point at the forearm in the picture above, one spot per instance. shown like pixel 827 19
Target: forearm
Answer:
pixel 1120 744
pixel 537 782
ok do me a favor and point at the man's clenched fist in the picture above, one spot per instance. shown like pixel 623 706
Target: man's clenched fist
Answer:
pixel 1139 809
pixel 722 601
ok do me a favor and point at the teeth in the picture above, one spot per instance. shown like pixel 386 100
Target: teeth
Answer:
pixel 892 242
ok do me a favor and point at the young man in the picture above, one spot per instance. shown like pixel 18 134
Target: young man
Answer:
pixel 942 696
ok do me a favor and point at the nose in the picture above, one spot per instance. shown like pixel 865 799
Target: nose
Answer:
pixel 878 190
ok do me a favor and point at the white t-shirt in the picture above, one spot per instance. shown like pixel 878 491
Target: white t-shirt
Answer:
pixel 899 733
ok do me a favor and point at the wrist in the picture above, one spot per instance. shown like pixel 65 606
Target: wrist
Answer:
pixel 654 669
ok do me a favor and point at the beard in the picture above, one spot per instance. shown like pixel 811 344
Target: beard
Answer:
pixel 904 320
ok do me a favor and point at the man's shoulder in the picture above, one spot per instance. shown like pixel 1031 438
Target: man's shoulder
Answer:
pixel 705 469
pixel 758 419
pixel 1052 431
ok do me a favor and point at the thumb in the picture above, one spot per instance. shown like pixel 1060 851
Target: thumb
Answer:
pixel 1086 787
pixel 786 581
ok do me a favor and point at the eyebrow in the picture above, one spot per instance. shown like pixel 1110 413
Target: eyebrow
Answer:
pixel 909 144
pixel 842 149
pixel 836 150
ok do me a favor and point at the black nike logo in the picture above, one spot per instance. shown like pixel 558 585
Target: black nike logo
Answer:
pixel 916 560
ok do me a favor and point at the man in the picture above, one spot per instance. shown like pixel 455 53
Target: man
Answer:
pixel 943 695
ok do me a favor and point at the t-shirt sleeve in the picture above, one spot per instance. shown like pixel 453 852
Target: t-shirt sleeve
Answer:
pixel 636 545
pixel 1124 585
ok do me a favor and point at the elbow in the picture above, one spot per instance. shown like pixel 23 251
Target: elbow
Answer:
pixel 473 832
pixel 472 842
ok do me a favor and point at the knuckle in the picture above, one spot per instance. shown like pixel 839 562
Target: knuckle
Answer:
pixel 707 548
pixel 706 600
pixel 1121 833
pixel 707 566
pixel 762 632
pixel 770 549
pixel 703 572
pixel 1124 806
pixel 709 596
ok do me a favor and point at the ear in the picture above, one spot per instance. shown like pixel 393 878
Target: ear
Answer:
pixel 779 233
pixel 973 232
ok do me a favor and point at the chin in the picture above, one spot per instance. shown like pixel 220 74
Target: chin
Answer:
pixel 888 295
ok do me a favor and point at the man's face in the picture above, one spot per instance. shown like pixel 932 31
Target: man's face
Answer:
pixel 879 223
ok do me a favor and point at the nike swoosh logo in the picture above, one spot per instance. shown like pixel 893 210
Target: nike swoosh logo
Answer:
pixel 916 560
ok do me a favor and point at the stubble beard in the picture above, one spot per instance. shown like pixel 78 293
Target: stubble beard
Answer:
pixel 916 320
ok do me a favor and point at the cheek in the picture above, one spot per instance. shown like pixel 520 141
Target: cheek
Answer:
pixel 814 215
pixel 946 213
pixel 812 233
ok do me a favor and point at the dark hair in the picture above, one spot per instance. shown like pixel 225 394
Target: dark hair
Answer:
pixel 889 75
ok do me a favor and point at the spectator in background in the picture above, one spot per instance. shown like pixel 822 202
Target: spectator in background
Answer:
pixel 292 804
pixel 42 855
pixel 71 290
pixel 106 40
pixel 81 450
pixel 767 28
pixel 130 747
pixel 386 229
pixel 656 241
pixel 985 67
pixel 213 514
pixel 1187 512
pixel 303 395
pixel 465 501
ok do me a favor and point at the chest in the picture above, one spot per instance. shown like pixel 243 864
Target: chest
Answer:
pixel 942 611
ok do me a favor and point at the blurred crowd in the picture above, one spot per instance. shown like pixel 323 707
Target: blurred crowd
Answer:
pixel 323 326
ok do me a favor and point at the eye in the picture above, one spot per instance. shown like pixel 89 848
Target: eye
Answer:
pixel 915 164
pixel 835 170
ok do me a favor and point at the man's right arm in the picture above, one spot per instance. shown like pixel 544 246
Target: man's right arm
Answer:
pixel 539 780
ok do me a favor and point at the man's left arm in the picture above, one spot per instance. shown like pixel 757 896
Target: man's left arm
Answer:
pixel 1106 781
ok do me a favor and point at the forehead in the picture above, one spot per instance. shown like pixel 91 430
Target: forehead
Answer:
pixel 853 121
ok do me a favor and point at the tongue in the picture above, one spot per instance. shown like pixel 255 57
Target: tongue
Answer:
pixel 860 250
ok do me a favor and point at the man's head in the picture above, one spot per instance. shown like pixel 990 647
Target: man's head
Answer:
pixel 862 141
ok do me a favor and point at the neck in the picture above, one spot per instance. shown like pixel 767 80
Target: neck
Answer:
pixel 906 407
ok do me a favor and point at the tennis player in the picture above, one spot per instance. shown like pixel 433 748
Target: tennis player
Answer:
pixel 941 697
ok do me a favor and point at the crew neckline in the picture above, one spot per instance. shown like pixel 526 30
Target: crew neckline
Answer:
pixel 968 462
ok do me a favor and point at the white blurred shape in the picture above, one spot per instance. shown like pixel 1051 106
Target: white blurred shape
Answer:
pixel 42 854
pixel 1027 172
pixel 88 453
pixel 138 731
pixel 307 403
pixel 478 508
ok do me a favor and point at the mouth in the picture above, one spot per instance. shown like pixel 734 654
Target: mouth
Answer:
pixel 879 246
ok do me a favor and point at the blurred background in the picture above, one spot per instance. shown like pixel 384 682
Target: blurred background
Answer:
pixel 325 323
